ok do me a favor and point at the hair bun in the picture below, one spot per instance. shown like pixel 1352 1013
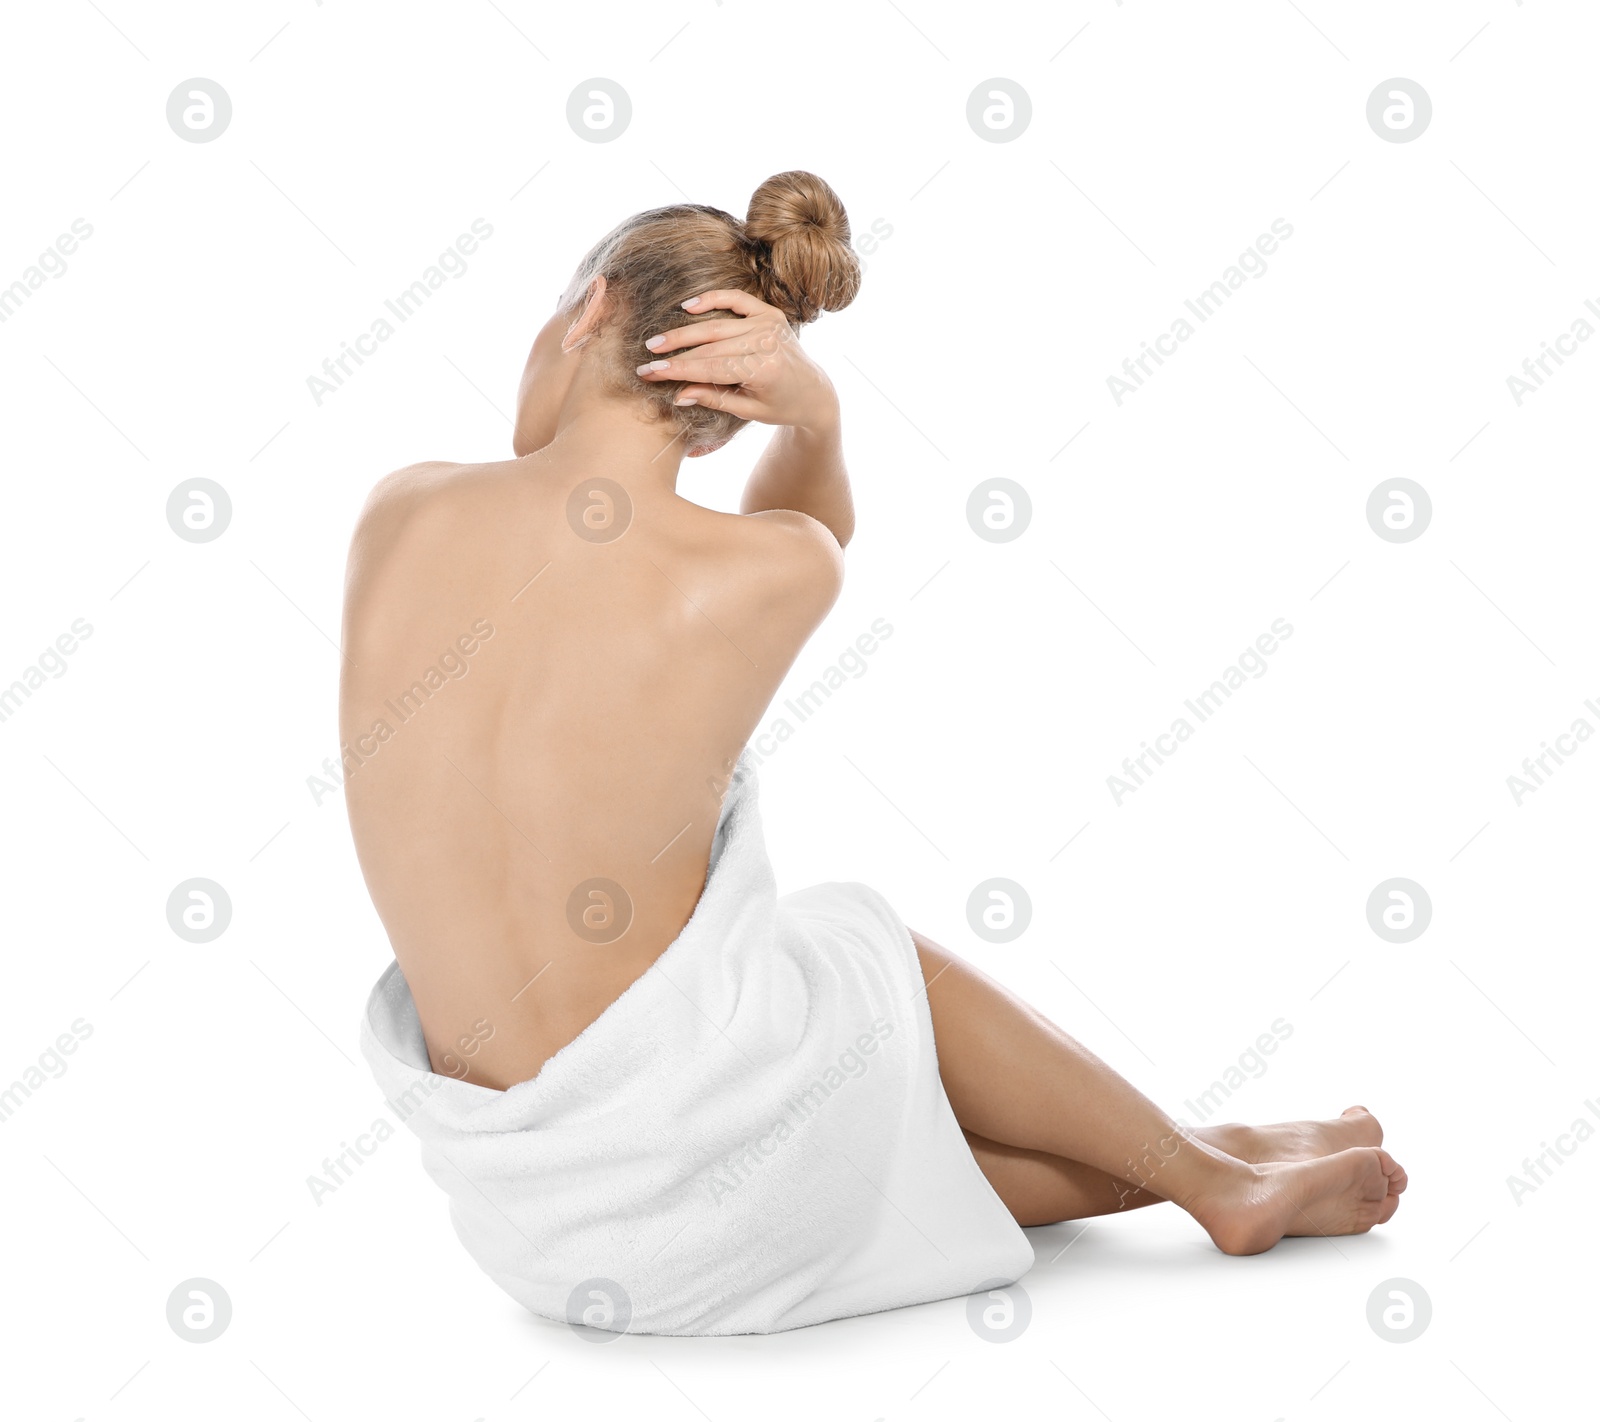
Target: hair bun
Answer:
pixel 810 266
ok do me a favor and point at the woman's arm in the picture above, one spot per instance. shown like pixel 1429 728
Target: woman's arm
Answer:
pixel 752 366
pixel 802 468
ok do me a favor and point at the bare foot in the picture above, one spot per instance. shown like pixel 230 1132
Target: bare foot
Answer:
pixel 1295 1140
pixel 1344 1193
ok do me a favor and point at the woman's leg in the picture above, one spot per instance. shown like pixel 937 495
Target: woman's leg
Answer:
pixel 1039 1188
pixel 1015 1079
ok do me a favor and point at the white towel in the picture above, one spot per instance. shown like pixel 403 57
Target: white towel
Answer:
pixel 752 1137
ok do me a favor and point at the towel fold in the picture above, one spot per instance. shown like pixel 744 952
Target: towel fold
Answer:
pixel 752 1137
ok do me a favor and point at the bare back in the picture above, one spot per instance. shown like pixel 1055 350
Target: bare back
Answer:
pixel 540 716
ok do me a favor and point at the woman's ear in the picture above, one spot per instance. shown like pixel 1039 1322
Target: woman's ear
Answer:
pixel 588 320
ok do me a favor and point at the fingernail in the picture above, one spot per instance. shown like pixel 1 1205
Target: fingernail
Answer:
pixel 686 400
pixel 691 301
pixel 652 366
pixel 655 343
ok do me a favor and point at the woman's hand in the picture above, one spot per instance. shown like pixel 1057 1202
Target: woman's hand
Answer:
pixel 749 364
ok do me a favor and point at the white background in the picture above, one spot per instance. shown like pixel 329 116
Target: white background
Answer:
pixel 1227 892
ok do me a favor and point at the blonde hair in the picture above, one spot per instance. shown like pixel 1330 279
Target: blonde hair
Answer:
pixel 792 251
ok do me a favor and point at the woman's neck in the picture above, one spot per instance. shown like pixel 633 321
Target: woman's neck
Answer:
pixel 607 437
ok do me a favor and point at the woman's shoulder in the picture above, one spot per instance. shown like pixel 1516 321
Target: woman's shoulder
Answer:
pixel 787 554
pixel 423 502
pixel 411 490
pixel 411 517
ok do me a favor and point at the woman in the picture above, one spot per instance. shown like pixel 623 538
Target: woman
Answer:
pixel 659 1098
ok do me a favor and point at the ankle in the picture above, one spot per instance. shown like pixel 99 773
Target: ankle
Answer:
pixel 1236 1212
pixel 1205 1179
pixel 1247 1143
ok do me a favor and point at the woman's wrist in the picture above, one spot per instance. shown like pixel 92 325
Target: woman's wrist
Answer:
pixel 820 425
pixel 821 420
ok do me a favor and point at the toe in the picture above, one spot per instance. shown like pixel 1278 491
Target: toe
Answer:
pixel 1393 1171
